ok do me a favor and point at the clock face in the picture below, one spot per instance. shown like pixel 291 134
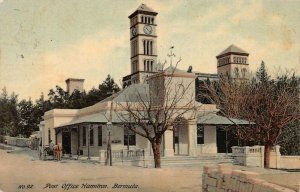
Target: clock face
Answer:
pixel 147 29
pixel 133 31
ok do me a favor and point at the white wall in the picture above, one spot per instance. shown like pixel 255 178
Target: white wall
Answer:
pixel 210 141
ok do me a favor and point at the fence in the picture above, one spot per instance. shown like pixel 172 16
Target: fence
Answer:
pixel 121 157
pixel 254 156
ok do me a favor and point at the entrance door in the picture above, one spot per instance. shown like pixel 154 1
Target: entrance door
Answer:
pixel 66 141
pixel 176 141
pixel 225 140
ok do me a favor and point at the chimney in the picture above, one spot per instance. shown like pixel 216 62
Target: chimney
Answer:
pixel 74 84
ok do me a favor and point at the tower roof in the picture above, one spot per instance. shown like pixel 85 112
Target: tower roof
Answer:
pixel 144 9
pixel 73 79
pixel 233 49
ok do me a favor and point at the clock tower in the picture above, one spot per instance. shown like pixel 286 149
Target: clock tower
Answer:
pixel 143 57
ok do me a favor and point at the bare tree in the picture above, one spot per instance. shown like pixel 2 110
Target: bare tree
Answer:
pixel 272 104
pixel 153 110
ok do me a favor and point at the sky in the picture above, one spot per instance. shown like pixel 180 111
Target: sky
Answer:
pixel 42 43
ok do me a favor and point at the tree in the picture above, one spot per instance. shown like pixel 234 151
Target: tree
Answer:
pixel 9 117
pixel 105 89
pixel 155 107
pixel 28 120
pixel 77 100
pixel 272 104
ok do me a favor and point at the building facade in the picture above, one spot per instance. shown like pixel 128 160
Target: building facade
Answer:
pixel 86 131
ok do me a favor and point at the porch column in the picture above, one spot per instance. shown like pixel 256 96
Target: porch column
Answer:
pixel 78 140
pixel 192 137
pixel 168 143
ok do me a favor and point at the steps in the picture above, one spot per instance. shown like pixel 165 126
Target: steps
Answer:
pixel 199 161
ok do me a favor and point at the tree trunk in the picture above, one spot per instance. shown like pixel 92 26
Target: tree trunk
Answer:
pixel 268 148
pixel 156 153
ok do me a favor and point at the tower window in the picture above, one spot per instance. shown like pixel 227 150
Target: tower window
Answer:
pixel 142 19
pixel 134 48
pixel 151 67
pixel 134 67
pixel 148 65
pixel 236 72
pixel 148 47
pixel 244 71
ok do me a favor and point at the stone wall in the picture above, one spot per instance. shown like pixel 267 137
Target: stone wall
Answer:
pixel 223 178
pixel 16 141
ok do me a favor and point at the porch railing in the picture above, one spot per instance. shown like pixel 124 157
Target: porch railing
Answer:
pixel 123 156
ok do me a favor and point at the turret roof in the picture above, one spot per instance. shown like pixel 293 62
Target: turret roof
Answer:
pixel 232 49
pixel 143 8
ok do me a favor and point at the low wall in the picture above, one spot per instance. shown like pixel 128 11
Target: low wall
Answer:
pixel 287 162
pixel 223 178
pixel 16 141
pixel 254 157
pixel 249 156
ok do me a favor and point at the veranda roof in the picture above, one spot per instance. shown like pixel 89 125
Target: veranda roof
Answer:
pixel 214 119
pixel 102 117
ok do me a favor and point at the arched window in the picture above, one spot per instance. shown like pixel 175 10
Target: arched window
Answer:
pixel 135 47
pixel 236 72
pixel 150 53
pixel 144 43
pixel 147 47
pixel 145 65
pixel 142 19
pixel 152 20
pixel 244 72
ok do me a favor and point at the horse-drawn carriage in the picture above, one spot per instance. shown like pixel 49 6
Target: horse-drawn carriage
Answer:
pixel 46 152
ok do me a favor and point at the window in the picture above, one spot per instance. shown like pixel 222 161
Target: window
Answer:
pixel 134 48
pixel 134 66
pixel 244 72
pixel 84 136
pixel 148 65
pixel 200 134
pixel 148 47
pixel 176 135
pixel 236 72
pixel 99 135
pixel 129 137
pixel 91 136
